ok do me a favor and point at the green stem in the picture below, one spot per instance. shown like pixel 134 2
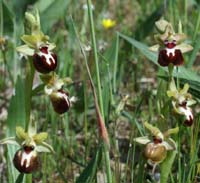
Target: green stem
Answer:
pixel 30 71
pixel 28 178
pixel 106 149
pixel 95 56
pixel 1 19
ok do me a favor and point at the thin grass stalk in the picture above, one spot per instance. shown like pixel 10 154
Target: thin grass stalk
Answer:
pixel 106 151
pixel 197 25
pixel 89 4
pixel 115 64
pixel 1 18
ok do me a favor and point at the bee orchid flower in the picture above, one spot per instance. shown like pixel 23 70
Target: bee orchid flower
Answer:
pixel 60 99
pixel 181 102
pixel 170 44
pixel 30 143
pixel 37 45
pixel 157 145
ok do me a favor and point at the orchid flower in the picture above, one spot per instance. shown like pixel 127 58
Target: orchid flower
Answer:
pixel 157 145
pixel 181 101
pixel 30 144
pixel 170 44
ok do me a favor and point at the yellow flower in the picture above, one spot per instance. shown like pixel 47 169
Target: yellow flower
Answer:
pixel 107 23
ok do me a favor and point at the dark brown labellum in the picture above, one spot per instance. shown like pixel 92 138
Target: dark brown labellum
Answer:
pixel 155 152
pixel 26 160
pixel 60 101
pixel 189 121
pixel 44 61
pixel 167 56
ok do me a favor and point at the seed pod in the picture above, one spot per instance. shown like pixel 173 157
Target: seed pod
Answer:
pixel 44 60
pixel 60 101
pixel 155 152
pixel 26 160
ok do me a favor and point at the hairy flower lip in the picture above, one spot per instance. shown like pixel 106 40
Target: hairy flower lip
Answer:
pixel 156 153
pixel 44 60
pixel 60 101
pixel 26 162
pixel 170 55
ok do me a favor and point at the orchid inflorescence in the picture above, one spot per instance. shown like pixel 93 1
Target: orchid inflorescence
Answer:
pixel 44 60
pixel 38 47
pixel 170 48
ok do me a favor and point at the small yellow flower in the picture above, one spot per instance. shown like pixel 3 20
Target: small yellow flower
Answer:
pixel 108 23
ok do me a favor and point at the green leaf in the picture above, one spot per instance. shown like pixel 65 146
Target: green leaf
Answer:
pixel 166 166
pixel 16 117
pixel 51 14
pixel 88 174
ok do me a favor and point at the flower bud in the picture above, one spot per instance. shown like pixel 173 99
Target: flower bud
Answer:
pixel 60 101
pixel 44 60
pixel 155 152
pixel 26 160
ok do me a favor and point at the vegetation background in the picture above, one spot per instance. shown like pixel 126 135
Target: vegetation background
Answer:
pixel 133 88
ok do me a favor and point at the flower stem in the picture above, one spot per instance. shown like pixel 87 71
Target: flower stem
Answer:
pixel 28 90
pixel 106 150
pixel 28 178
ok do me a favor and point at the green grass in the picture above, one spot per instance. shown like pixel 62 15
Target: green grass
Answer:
pixel 120 64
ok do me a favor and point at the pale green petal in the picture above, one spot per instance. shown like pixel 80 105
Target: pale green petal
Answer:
pixel 154 130
pixel 191 102
pixel 170 144
pixel 184 47
pixel 9 140
pixel 41 148
pixel 30 40
pixel 142 140
pixel 32 128
pixel 45 145
pixel 171 93
pixel 185 89
pixel 25 50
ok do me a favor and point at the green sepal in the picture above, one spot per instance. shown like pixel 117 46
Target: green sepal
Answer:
pixel 20 133
pixel 40 137
pixel 25 50
pixel 9 140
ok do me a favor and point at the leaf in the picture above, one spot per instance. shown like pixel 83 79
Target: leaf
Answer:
pixel 166 166
pixel 16 117
pixel 88 174
pixel 53 13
